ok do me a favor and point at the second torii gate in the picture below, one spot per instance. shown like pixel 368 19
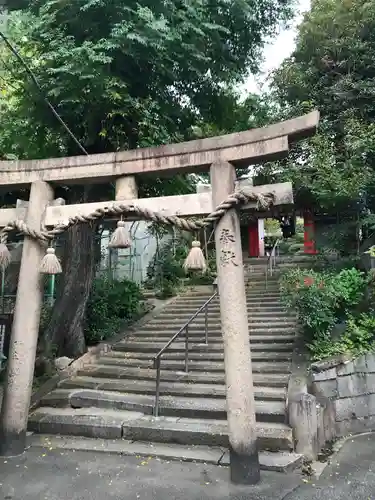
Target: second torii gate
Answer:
pixel 221 155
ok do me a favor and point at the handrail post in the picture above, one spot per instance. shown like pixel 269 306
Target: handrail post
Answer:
pixel 206 324
pixel 157 391
pixel 187 349
pixel 185 328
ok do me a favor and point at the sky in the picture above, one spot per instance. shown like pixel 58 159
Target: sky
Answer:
pixel 276 51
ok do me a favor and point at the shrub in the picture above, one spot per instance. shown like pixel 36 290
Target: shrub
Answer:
pixel 165 272
pixel 358 338
pixel 325 299
pixel 111 304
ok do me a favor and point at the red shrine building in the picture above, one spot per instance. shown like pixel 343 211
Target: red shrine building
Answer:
pixel 253 236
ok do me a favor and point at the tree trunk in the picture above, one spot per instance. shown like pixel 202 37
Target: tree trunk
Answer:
pixel 64 334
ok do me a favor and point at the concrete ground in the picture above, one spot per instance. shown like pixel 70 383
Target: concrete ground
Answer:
pixel 53 474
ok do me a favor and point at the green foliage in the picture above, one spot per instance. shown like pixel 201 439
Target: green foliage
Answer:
pixel 358 338
pixel 165 271
pixel 332 70
pixel 272 227
pixel 111 304
pixel 131 74
pixel 166 274
pixel 323 300
pixel 292 245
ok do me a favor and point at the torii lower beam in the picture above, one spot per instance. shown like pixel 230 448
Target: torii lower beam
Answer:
pixel 187 205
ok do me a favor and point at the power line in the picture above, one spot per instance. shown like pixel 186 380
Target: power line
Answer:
pixel 36 83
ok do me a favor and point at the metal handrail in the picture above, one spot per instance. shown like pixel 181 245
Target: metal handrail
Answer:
pixel 185 328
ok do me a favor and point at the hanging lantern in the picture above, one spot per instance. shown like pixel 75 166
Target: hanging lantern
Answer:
pixel 50 263
pixel 120 238
pixel 195 261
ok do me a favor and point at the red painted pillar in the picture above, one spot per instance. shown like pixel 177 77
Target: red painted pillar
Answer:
pixel 309 234
pixel 253 239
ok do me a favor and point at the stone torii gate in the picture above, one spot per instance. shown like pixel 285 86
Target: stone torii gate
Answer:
pixel 220 155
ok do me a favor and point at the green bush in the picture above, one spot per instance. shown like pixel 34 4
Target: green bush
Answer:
pixel 111 304
pixel 325 299
pixel 358 338
pixel 165 270
pixel 165 273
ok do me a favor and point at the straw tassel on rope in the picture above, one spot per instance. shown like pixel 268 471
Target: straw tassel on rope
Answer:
pixel 5 256
pixel 50 263
pixel 120 238
pixel 195 261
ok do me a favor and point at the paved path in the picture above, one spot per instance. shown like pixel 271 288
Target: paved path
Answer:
pixel 351 475
pixel 59 474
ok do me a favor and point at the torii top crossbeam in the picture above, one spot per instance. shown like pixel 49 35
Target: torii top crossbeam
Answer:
pixel 241 149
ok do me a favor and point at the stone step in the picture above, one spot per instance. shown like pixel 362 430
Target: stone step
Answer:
pixel 200 366
pixel 167 388
pixel 257 355
pixel 255 313
pixel 216 327
pixel 283 462
pixel 253 302
pixel 251 296
pixel 255 347
pixel 177 346
pixel 262 298
pixel 169 406
pixel 271 436
pixel 257 304
pixel 253 285
pixel 214 337
pixel 200 322
pixel 257 310
pixel 177 361
pixel 115 372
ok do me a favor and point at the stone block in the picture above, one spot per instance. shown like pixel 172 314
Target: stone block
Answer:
pixel 371 404
pixel 62 363
pixel 329 422
pixel 360 365
pixel 303 418
pixel 355 426
pixel 94 426
pixel 326 388
pixel 332 362
pixel 329 374
pixel 352 385
pixel 34 420
pixel 349 408
pixel 320 426
pixel 346 368
pixel 370 381
pixel 370 362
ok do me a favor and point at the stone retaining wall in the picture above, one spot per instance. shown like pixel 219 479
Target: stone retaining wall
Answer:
pixel 350 385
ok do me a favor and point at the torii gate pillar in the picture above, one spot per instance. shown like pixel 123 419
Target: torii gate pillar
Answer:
pixel 244 460
pixel 25 329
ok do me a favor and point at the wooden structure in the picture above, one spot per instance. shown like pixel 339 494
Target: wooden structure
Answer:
pixel 219 155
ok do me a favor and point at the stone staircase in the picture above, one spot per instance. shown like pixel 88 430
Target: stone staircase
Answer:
pixel 113 399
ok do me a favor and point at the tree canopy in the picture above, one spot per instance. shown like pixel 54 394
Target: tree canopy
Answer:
pixel 124 75
pixel 333 69
pixel 130 74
